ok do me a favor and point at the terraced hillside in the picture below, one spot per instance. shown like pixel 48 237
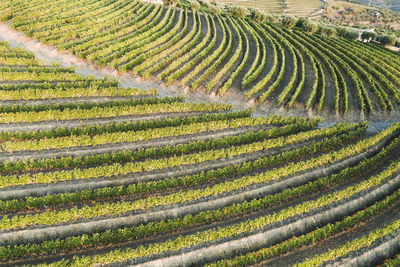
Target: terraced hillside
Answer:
pixel 270 6
pixel 92 174
pixel 389 4
pixel 290 7
pixel 218 54
pixel 303 8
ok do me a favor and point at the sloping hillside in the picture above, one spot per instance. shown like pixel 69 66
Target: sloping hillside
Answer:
pixel 389 4
pixel 94 174
pixel 218 54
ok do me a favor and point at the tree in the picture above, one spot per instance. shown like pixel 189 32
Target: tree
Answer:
pixel 392 39
pixel 368 36
pixel 195 5
pixel 397 43
pixel 289 22
pixel 270 18
pixel 348 34
pixel 387 39
pixel 215 9
pixel 310 27
pixel 258 16
pixel 328 31
pixel 300 22
pixel 237 12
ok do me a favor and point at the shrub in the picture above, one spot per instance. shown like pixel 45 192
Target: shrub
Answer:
pixel 340 30
pixel 348 34
pixel 195 5
pixel 215 9
pixel 206 4
pixel 328 31
pixel 352 35
pixel 6 16
pixel 310 27
pixel 270 18
pixel 237 12
pixel 368 35
pixel 289 22
pixel 392 39
pixel 300 22
pixel 170 2
pixel 397 43
pixel 259 16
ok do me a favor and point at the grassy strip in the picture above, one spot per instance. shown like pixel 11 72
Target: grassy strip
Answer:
pixel 130 136
pixel 18 109
pixel 54 69
pixel 312 237
pixel 120 127
pixel 32 76
pixel 123 156
pixel 112 111
pixel 148 165
pixel 211 216
pixel 90 81
pixel 51 217
pixel 32 202
pixel 30 94
pixel 355 244
pixel 119 255
pixel 393 262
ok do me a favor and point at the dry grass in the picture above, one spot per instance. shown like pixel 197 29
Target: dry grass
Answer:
pixel 294 7
pixel 358 15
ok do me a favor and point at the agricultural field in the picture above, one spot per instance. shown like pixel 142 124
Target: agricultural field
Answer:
pixel 95 174
pixel 387 4
pixel 265 63
pixel 361 16
pixel 290 7
pixel 270 6
pixel 303 8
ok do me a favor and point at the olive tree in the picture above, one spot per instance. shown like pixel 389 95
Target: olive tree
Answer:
pixel 237 12
pixel 328 31
pixel 310 27
pixel 195 5
pixel 259 16
pixel 368 36
pixel 289 22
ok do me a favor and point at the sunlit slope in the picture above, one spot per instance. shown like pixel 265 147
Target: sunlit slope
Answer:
pixel 93 174
pixel 390 4
pixel 292 7
pixel 219 54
